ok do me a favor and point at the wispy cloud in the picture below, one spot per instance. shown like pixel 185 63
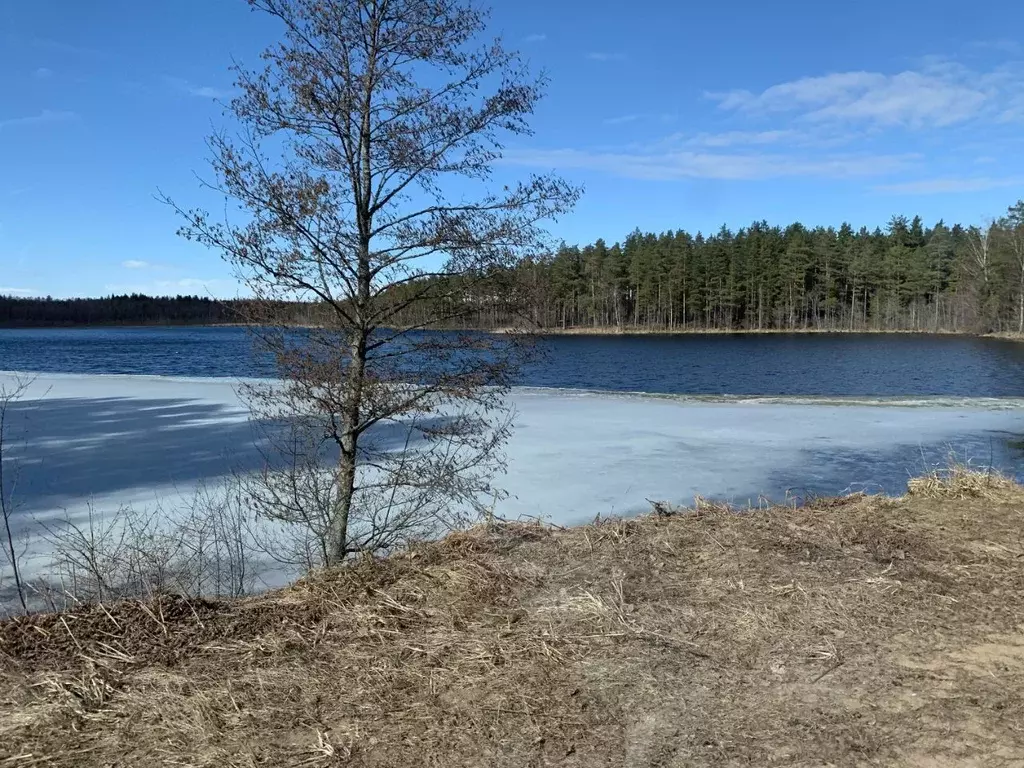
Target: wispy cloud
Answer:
pixel 199 285
pixel 846 125
pixel 5 291
pixel 741 138
pixel 621 119
pixel 536 37
pixel 941 93
pixel 63 47
pixel 12 192
pixel 605 56
pixel 203 91
pixel 1005 45
pixel 43 73
pixel 135 264
pixel 208 92
pixel 647 118
pixel 44 117
pixel 676 165
pixel 186 285
pixel 949 186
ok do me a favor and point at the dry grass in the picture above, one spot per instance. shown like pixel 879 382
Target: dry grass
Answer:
pixel 960 481
pixel 859 631
pixel 1006 335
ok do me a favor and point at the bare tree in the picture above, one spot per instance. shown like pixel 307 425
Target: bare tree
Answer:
pixel 1013 227
pixel 382 208
pixel 979 242
pixel 10 393
pixel 980 264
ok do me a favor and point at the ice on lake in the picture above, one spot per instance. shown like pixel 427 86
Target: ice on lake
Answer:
pixel 120 440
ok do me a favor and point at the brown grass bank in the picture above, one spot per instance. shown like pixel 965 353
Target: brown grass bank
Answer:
pixel 856 631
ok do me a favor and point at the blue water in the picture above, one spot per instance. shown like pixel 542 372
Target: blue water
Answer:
pixel 781 365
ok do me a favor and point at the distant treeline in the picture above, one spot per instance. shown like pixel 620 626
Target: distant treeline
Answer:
pixel 131 309
pixel 905 277
pixel 763 277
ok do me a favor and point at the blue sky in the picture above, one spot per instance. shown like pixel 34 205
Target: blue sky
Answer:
pixel 672 115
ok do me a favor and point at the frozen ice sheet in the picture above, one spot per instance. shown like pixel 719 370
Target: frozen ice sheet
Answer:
pixel 114 440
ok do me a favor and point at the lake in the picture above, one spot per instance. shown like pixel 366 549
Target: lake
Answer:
pixel 834 365
pixel 603 424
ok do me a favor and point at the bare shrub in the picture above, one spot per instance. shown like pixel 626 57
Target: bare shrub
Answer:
pixel 13 545
pixel 207 548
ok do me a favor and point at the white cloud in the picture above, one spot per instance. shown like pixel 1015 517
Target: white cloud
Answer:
pixel 950 186
pixel 942 93
pixel 42 73
pixel 62 47
pixel 203 91
pixel 23 292
pixel 802 92
pixel 537 37
pixel 1000 46
pixel 18 191
pixel 675 165
pixel 195 284
pixel 648 118
pixel 741 138
pixel 43 118
pixel 135 264
pixel 842 125
pixel 605 56
pixel 621 119
pixel 217 287
pixel 208 92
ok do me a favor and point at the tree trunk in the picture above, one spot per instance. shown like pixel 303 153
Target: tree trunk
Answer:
pixel 593 303
pixel 338 539
pixel 1020 305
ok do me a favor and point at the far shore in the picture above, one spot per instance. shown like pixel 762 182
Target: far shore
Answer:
pixel 640 331
pixel 602 330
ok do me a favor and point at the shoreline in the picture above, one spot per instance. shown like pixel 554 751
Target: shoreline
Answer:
pixel 984 402
pixel 634 331
pixel 981 402
pixel 584 330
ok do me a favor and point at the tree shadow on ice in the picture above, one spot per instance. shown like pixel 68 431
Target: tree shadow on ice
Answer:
pixel 72 449
pixel 76 448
